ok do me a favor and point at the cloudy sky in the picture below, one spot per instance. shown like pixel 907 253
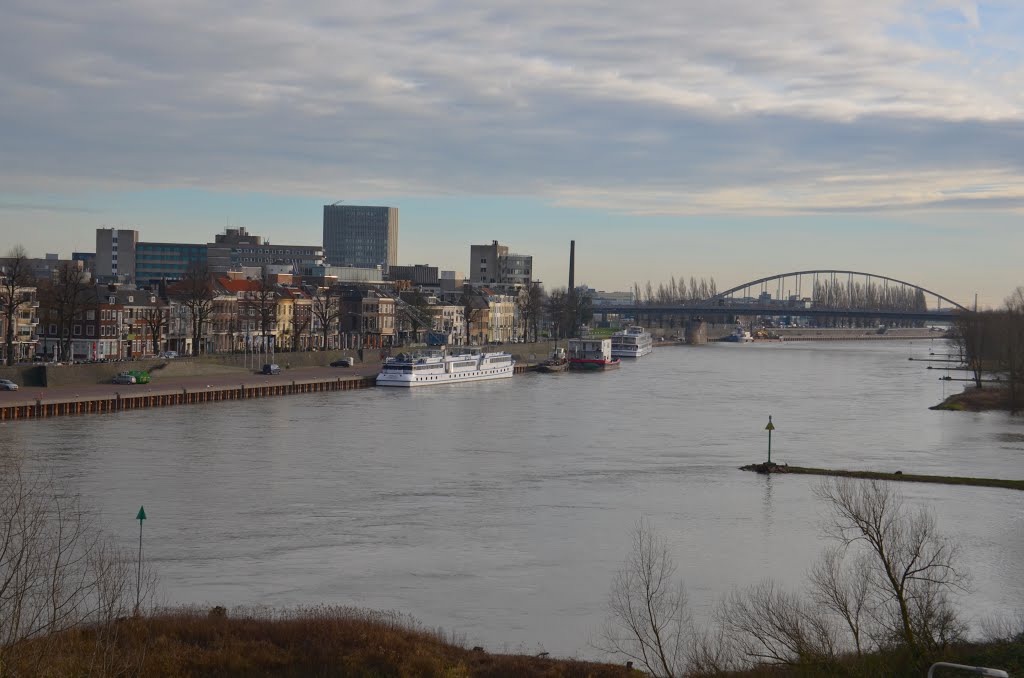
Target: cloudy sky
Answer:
pixel 667 137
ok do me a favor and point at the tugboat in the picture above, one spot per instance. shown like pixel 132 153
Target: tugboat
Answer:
pixel 557 362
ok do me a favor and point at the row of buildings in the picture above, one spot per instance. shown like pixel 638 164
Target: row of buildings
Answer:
pixel 380 302
pixel 232 313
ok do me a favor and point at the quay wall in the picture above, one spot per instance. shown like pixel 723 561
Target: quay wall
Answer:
pixel 41 409
pixel 166 370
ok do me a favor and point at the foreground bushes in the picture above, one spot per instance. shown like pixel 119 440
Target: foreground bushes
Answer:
pixel 320 641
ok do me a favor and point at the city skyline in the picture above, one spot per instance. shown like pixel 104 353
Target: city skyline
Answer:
pixel 673 139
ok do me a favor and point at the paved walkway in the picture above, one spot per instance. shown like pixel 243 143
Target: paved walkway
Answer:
pixel 27 395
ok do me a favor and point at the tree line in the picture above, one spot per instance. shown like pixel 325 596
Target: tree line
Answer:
pixel 675 291
pixel 992 342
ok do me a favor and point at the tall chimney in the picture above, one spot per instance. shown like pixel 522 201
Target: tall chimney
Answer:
pixel 572 266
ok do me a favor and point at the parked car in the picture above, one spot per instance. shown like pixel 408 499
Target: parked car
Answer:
pixel 168 355
pixel 8 385
pixel 271 368
pixel 123 378
pixel 344 362
pixel 141 376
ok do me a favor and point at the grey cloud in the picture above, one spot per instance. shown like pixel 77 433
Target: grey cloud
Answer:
pixel 513 98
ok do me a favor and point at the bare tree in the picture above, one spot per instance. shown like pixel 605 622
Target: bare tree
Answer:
pixel 914 570
pixel 472 311
pixel 844 589
pixel 15 276
pixel 771 626
pixel 648 620
pixel 327 310
pixel 530 303
pixel 62 301
pixel 973 336
pixel 57 569
pixel 195 293
pixel 154 318
pixel 262 301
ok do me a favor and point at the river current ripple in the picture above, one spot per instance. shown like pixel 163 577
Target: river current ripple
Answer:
pixel 501 510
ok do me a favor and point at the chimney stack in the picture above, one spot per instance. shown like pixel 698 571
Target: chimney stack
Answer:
pixel 572 266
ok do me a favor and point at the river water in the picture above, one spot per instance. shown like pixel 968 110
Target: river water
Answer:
pixel 501 510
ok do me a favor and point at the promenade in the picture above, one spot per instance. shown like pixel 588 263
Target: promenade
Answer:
pixel 28 402
pixel 239 384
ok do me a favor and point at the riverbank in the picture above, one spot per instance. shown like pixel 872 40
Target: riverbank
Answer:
pixel 772 468
pixel 973 399
pixel 318 641
pixel 162 391
pixel 338 641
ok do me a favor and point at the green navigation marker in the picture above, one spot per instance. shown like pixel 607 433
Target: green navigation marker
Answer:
pixel 140 516
pixel 770 427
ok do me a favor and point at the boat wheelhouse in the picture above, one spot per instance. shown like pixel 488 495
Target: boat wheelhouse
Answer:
pixel 440 367
pixel 632 342
pixel 591 354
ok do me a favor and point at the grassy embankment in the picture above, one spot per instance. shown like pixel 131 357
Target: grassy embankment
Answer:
pixel 345 642
pixel 877 475
pixel 977 400
pixel 320 641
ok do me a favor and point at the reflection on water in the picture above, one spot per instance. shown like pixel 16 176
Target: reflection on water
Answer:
pixel 502 509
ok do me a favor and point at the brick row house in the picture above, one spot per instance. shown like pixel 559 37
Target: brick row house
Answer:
pixel 103 323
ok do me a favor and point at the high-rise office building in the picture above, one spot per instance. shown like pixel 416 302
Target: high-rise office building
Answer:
pixel 155 261
pixel 356 235
pixel 115 253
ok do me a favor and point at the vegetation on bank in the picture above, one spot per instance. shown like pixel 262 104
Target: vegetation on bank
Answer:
pixel 992 342
pixel 878 475
pixel 318 641
pixel 974 399
pixel 880 601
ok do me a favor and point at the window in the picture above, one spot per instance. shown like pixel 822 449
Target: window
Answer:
pixel 78 330
pixel 90 315
pixel 90 330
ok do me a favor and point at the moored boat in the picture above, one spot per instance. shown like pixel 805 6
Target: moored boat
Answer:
pixel 591 354
pixel 556 362
pixel 632 342
pixel 739 336
pixel 440 367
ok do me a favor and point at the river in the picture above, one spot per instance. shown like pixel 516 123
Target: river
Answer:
pixel 500 510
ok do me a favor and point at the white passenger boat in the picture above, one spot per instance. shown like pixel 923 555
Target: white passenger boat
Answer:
pixel 440 367
pixel 632 342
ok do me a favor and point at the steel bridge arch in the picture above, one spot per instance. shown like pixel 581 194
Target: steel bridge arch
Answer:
pixel 781 276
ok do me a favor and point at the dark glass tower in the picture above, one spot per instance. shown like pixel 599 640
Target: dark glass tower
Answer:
pixel 356 235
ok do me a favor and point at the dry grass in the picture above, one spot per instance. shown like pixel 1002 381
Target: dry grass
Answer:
pixel 319 641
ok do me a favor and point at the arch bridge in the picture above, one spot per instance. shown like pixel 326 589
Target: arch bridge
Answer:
pixel 816 293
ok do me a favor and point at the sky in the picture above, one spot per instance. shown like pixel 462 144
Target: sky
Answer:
pixel 732 139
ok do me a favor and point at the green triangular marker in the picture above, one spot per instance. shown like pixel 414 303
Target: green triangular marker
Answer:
pixel 142 514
